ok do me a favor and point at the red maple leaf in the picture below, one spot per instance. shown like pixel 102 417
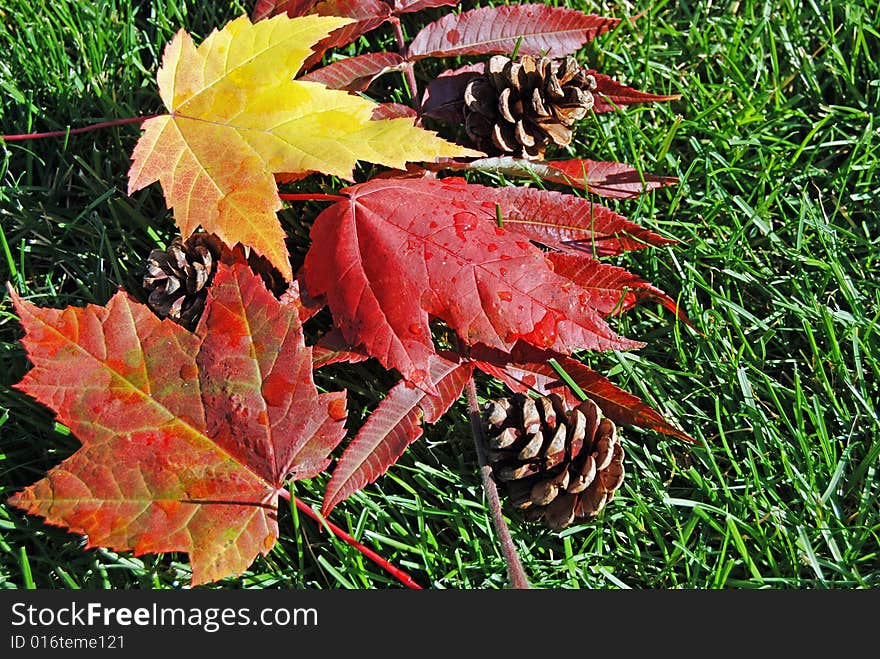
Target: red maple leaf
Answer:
pixel 400 251
pixel 187 438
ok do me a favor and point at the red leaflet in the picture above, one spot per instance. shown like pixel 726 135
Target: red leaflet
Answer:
pixel 612 290
pixel 355 74
pixel 332 348
pixel 293 8
pixel 186 438
pixel 527 368
pixel 610 94
pixel 570 223
pixel 404 6
pixel 393 111
pixel 403 250
pixel 606 179
pixel 368 15
pixel 537 29
pixel 266 8
pixel 396 423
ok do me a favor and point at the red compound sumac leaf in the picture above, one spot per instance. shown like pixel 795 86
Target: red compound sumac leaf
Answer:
pixel 187 438
pixel 400 251
pixel 610 94
pixel 355 74
pixel 395 424
pixel 537 29
pixel 526 368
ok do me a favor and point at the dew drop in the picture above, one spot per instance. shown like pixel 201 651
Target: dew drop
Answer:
pixel 499 231
pixel 503 271
pixel 522 244
pixel 432 224
pixel 491 247
pixel 507 296
pixel 465 221
pixel 416 328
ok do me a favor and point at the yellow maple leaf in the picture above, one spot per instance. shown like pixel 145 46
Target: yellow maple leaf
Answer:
pixel 236 117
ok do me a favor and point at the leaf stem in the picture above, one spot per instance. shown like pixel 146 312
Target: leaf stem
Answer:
pixel 396 572
pixel 311 196
pixel 409 71
pixel 516 573
pixel 75 131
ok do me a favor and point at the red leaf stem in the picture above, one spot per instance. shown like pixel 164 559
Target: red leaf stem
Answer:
pixel 76 131
pixel 311 196
pixel 396 572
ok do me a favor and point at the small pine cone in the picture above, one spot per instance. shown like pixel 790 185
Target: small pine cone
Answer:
pixel 177 278
pixel 520 107
pixel 559 465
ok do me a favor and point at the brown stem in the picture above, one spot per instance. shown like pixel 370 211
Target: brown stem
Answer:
pixel 515 571
pixel 75 131
pixel 408 71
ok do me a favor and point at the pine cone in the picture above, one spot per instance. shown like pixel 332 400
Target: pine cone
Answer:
pixel 560 465
pixel 177 278
pixel 521 107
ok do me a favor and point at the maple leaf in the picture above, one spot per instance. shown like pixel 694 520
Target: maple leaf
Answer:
pixel 236 118
pixel 187 438
pixel 395 424
pixel 399 251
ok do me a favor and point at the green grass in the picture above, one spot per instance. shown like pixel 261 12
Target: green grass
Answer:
pixel 775 141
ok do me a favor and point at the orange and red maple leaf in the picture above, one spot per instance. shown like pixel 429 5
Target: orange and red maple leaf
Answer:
pixel 187 438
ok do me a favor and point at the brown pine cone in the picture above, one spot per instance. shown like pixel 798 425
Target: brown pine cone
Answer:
pixel 177 278
pixel 520 107
pixel 560 465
